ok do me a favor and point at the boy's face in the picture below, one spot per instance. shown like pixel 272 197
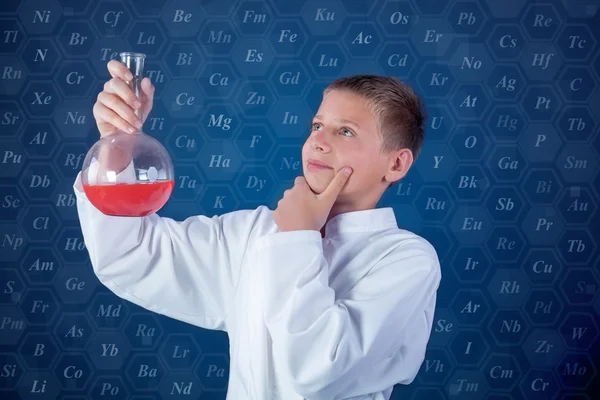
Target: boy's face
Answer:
pixel 344 133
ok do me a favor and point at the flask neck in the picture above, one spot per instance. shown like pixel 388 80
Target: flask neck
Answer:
pixel 135 63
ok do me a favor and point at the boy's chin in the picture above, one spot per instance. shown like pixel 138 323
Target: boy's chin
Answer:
pixel 315 184
pixel 318 181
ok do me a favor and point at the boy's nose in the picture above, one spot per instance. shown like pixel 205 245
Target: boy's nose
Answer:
pixel 319 143
pixel 320 146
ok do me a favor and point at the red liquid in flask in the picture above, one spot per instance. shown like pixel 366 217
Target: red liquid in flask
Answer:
pixel 129 199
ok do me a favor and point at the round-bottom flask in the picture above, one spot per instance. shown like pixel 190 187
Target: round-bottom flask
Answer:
pixel 128 174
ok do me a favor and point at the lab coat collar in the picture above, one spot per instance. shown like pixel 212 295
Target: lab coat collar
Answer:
pixel 361 221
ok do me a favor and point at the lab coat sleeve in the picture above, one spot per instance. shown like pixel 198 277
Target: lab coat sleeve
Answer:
pixel 185 270
pixel 324 342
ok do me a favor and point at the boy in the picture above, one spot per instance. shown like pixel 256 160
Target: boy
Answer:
pixel 324 298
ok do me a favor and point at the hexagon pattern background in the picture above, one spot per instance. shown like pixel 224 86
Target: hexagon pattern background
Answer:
pixel 507 187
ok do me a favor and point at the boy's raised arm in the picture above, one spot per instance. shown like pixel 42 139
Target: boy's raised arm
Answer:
pixel 185 270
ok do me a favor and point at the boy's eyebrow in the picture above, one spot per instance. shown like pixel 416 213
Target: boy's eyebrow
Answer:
pixel 343 121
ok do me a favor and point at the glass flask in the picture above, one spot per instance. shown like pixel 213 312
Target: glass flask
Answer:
pixel 128 174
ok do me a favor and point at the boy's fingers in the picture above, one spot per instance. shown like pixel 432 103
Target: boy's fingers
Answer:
pixel 336 185
pixel 121 89
pixel 118 70
pixel 117 106
pixel 109 116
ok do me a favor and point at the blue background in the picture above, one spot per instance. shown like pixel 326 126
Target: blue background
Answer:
pixel 507 187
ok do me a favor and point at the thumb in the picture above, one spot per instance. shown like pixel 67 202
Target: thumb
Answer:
pixel 147 97
pixel 337 184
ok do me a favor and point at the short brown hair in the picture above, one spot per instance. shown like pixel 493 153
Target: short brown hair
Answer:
pixel 399 111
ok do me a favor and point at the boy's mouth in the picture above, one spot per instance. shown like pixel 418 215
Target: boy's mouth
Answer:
pixel 317 165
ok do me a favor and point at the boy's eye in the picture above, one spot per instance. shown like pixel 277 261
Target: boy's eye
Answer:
pixel 346 132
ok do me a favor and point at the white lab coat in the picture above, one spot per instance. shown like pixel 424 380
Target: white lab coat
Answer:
pixel 347 316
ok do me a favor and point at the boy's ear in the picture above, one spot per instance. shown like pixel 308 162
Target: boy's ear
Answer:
pixel 400 163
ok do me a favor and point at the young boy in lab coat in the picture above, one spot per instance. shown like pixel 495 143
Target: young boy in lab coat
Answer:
pixel 323 298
